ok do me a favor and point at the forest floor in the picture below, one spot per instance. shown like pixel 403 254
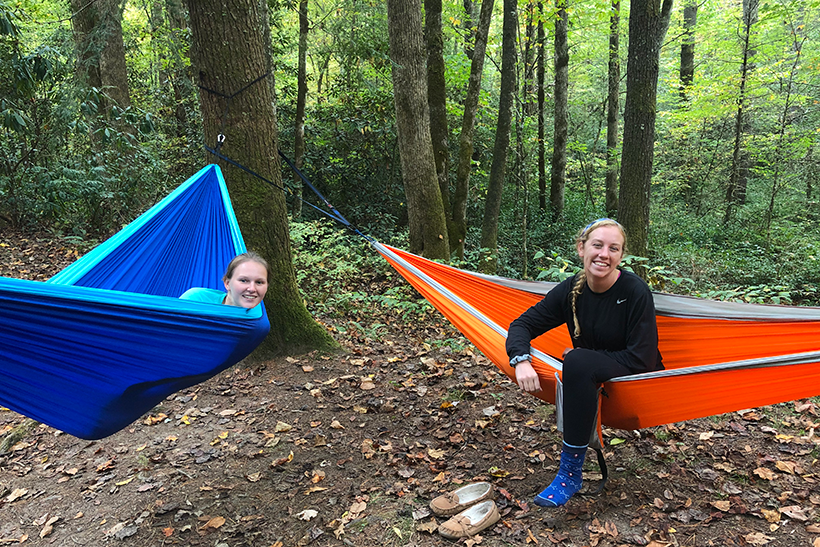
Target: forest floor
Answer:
pixel 349 449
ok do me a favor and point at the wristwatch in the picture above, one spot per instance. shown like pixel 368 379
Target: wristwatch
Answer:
pixel 520 359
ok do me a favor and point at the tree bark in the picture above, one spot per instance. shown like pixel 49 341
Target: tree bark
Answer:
pixel 492 205
pixel 613 110
pixel 301 98
pixel 101 51
pixel 542 164
pixel 465 143
pixel 736 189
pixel 437 99
pixel 687 47
pixel 425 209
pixel 648 22
pixel 227 65
pixel 559 140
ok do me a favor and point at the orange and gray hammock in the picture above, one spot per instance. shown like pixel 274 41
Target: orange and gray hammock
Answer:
pixel 719 356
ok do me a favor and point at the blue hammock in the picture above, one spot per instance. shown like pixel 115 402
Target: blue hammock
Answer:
pixel 106 339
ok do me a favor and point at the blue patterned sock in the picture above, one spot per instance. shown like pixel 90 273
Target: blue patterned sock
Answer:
pixel 569 479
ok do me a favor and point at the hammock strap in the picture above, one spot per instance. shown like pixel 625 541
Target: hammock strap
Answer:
pixel 220 138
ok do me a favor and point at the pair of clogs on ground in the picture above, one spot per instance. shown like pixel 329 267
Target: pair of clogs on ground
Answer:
pixel 470 508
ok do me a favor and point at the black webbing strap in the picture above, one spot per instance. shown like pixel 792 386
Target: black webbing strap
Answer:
pixel 332 212
pixel 220 139
pixel 604 471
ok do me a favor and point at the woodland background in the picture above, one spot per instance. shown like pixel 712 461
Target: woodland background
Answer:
pixel 94 130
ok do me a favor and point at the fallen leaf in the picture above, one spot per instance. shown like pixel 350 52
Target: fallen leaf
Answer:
pixel 307 514
pixel 281 461
pixel 336 425
pixel 764 473
pixel 757 538
pixel 215 523
pixel 430 526
pixel 721 505
pixel 16 494
pixel 168 532
pixel 771 516
pixel 254 477
pixel 796 512
pixel 436 454
pixel 282 427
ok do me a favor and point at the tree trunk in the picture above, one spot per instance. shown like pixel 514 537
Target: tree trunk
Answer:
pixel 437 98
pixel 101 51
pixel 469 30
pixel 492 206
pixel 528 97
pixel 465 143
pixel 227 65
pixel 736 189
pixel 558 176
pixel 613 110
pixel 648 21
pixel 687 47
pixel 301 98
pixel 425 209
pixel 542 164
pixel 178 76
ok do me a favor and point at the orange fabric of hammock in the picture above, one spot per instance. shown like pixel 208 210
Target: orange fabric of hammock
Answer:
pixel 695 349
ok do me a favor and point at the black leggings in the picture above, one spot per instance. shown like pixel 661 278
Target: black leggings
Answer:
pixel 584 370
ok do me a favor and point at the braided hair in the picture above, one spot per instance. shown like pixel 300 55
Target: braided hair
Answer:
pixel 581 277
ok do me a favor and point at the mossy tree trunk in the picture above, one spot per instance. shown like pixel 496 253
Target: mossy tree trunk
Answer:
pixel 558 176
pixel 229 52
pixel 465 140
pixel 648 21
pixel 509 83
pixel 425 208
pixel 613 110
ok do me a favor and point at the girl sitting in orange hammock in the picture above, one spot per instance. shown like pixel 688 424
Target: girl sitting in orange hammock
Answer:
pixel 610 315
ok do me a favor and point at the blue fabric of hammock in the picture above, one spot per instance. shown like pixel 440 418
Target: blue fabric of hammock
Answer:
pixel 106 340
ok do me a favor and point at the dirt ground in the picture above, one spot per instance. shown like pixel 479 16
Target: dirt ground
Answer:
pixel 349 449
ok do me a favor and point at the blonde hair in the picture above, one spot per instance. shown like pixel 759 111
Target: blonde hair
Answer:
pixel 581 278
pixel 248 256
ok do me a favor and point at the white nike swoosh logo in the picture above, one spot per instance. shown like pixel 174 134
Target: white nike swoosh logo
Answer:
pixel 620 301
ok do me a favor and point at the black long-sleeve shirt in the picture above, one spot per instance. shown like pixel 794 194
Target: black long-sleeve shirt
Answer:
pixel 619 322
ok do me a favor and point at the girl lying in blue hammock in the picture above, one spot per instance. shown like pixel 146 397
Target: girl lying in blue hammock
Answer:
pixel 246 282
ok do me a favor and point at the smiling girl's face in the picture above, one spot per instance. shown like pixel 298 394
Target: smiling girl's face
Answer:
pixel 247 285
pixel 602 253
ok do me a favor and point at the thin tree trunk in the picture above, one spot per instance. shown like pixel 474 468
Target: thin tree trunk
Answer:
pixel 687 47
pixel 465 143
pixel 301 98
pixel 425 209
pixel 781 135
pixel 227 65
pixel 492 206
pixel 101 51
pixel 542 164
pixel 613 110
pixel 437 98
pixel 559 140
pixel 648 22
pixel 736 189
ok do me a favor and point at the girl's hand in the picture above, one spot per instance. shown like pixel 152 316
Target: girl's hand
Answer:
pixel 566 350
pixel 526 377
